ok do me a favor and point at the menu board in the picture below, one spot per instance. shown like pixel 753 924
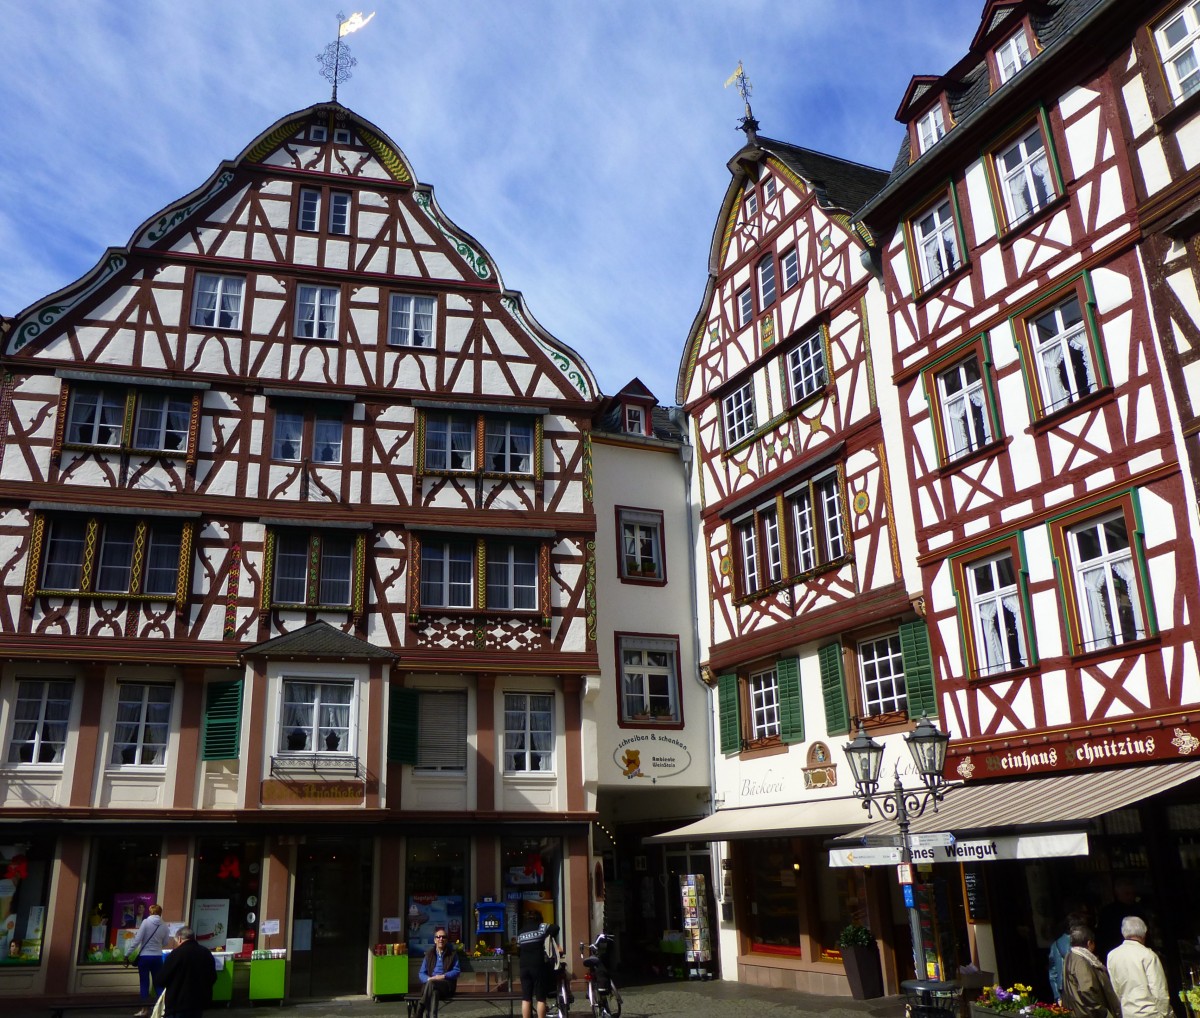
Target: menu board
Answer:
pixel 975 894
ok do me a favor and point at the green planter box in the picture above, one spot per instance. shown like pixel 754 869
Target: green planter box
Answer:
pixel 389 975
pixel 266 978
pixel 223 987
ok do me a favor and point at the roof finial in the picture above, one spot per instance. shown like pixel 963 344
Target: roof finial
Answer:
pixel 336 65
pixel 747 123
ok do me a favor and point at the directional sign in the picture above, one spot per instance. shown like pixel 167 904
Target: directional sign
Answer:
pixel 938 839
pixel 875 856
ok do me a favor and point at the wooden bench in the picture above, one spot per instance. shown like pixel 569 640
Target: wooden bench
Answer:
pixel 59 1008
pixel 475 995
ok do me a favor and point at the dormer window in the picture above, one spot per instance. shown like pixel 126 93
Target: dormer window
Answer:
pixel 1178 39
pixel 635 420
pixel 931 128
pixel 1012 55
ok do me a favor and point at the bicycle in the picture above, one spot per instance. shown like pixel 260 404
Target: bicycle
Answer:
pixel 603 995
pixel 560 1004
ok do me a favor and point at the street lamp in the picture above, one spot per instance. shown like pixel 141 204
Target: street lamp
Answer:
pixel 928 748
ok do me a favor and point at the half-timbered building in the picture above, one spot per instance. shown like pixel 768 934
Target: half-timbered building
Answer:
pixel 1042 348
pixel 810 627
pixel 297 581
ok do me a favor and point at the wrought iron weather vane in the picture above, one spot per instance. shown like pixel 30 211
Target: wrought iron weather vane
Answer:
pixel 336 60
pixel 745 89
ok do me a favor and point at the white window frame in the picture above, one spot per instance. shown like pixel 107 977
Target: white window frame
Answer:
pixel 745 306
pixel 997 614
pixel 1026 177
pixel 452 448
pixel 635 420
pixel 751 201
pixel 528 721
pixel 308 210
pixel 287 438
pixel 649 678
pixel 317 133
pixel 106 409
pixel 931 128
pixel 747 539
pixel 292 563
pixel 966 417
pixel 445 591
pixel 442 734
pixel 641 545
pixel 737 414
pixel 217 301
pixel 508 444
pixel 147 708
pixel 881 671
pixel 339 213
pixel 772 539
pixel 806 368
pixel 768 186
pixel 512 576
pixel 1013 55
pixel 327 438
pixel 1103 579
pixel 789 268
pixel 411 320
pixel 764 273
pixel 1178 40
pixel 41 718
pixel 162 421
pixel 341 136
pixel 762 694
pixel 936 236
pixel 827 488
pixel 1062 350
pixel 319 698
pixel 317 311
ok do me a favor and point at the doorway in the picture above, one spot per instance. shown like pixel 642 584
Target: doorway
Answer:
pixel 331 917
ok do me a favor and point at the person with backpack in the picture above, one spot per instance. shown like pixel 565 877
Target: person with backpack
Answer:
pixel 538 957
pixel 147 945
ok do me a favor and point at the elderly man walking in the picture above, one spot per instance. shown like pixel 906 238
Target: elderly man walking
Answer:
pixel 1087 990
pixel 1137 974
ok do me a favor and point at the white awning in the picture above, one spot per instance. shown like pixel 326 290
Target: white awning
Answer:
pixel 818 816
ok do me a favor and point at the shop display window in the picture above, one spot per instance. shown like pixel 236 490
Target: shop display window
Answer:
pixel 436 878
pixel 531 869
pixel 226 893
pixel 122 885
pixel 841 900
pixel 774 893
pixel 24 894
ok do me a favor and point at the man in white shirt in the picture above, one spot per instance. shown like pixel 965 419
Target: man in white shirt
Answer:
pixel 1137 974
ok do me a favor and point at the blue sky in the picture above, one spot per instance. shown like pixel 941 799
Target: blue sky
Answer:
pixel 584 144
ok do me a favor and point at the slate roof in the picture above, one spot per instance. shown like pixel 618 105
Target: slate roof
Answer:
pixel 317 640
pixel 665 429
pixel 837 183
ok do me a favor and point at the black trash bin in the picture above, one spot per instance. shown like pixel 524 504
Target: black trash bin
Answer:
pixel 930 998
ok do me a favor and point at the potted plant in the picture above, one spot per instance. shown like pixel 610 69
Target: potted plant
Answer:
pixel 1018 998
pixel 860 956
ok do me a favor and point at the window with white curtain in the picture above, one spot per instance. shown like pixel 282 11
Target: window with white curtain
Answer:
pixel 1012 55
pixel 316 312
pixel 1026 182
pixel 1178 39
pixel 162 421
pixel 641 544
pixel 528 732
pixel 1063 354
pixel 508 445
pixel 442 731
pixel 410 320
pixel 143 724
pixel 649 679
pixel 449 442
pixel 447 574
pixel 762 689
pixel 315 717
pixel 315 435
pixel 512 576
pixel 162 418
pixel 217 301
pixel 40 715
pixel 96 416
pixel 965 418
pixel 315 569
pixel 135 556
pixel 1107 582
pixel 937 243
pixel 996 614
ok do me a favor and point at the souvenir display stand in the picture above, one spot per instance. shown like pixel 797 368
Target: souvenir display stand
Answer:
pixel 697 933
pixel 389 974
pixel 268 972
pixel 222 991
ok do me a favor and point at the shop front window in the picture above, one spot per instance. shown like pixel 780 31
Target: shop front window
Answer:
pixel 24 894
pixel 531 869
pixel 841 900
pixel 122 885
pixel 436 877
pixel 774 895
pixel 226 894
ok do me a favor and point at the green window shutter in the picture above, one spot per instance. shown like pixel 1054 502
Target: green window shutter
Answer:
pixel 918 670
pixel 727 705
pixel 222 727
pixel 791 705
pixel 403 725
pixel 833 690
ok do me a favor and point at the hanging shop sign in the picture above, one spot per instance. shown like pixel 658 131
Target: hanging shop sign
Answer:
pixel 970 850
pixel 649 756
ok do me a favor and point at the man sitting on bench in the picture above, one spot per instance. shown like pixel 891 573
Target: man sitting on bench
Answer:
pixel 439 974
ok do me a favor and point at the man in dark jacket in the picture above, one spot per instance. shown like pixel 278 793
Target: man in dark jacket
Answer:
pixel 536 964
pixel 438 974
pixel 1087 990
pixel 188 975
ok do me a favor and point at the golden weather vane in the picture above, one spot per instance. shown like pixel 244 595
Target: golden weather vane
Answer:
pixel 745 89
pixel 336 64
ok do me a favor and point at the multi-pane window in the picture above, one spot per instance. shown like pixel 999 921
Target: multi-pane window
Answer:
pixel 161 421
pixel 1026 183
pixel 339 212
pixel 745 306
pixel 316 312
pixel 313 569
pixel 747 541
pixel 762 691
pixel 964 408
pixel 1063 354
pixel 931 128
pixel 288 441
pixel 447 574
pixel 789 268
pixel 1106 580
pixel 772 558
pixel 528 732
pixel 635 420
pixel 751 202
pixel 40 716
pixel 512 576
pixel 937 243
pixel 449 442
pixel 1012 55
pixel 135 556
pixel 96 417
pixel 806 367
pixel 315 717
pixel 996 614
pixel 737 413
pixel 442 732
pixel 410 320
pixel 768 186
pixel 828 492
pixel 641 545
pixel 143 724
pixel 218 301
pixel 308 211
pixel 882 671
pixel 1178 38
pixel 648 679
pixel 508 445
pixel 766 282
